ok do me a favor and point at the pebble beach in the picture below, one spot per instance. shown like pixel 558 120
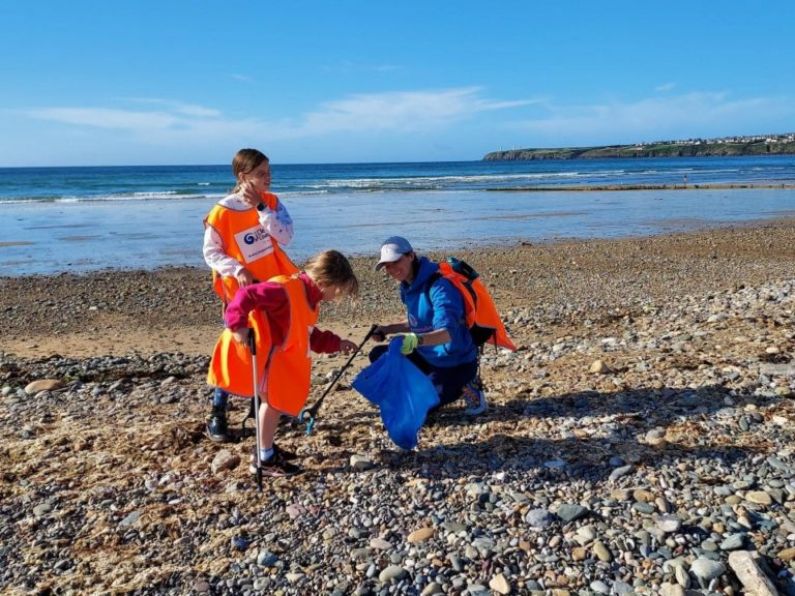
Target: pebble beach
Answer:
pixel 641 440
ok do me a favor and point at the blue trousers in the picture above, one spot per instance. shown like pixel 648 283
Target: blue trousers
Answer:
pixel 448 381
pixel 220 399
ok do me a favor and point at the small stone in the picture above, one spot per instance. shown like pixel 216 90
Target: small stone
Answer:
pixel 266 558
pixel 601 551
pixel 709 546
pixel 707 569
pixel 600 368
pixel 240 542
pixel 431 589
pixel 43 385
pixel 620 587
pixel 42 509
pixel 224 460
pixel 759 497
pixel 619 472
pixel 788 554
pixel 380 544
pixel 669 524
pixel 294 511
pixel 585 534
pixel 733 542
pixel 392 572
pixel 668 589
pixel 569 512
pixel 361 462
pixel 750 574
pixel 538 519
pixel 682 576
pixel 130 519
pixel 499 584
pixel 420 535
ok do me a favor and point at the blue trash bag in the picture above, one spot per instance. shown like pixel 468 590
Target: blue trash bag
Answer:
pixel 401 391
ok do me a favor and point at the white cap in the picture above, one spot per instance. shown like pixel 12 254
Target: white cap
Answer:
pixel 392 249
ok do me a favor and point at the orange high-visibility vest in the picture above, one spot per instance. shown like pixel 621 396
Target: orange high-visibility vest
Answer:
pixel 285 370
pixel 248 243
pixel 482 317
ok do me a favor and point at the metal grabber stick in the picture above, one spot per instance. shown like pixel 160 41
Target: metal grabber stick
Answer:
pixel 252 346
pixel 307 415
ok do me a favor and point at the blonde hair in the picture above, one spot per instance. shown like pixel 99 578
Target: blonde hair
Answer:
pixel 244 162
pixel 331 268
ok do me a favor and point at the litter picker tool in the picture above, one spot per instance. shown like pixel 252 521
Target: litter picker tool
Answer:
pixel 307 415
pixel 252 346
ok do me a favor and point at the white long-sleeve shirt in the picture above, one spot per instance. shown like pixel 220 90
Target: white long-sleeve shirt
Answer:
pixel 277 224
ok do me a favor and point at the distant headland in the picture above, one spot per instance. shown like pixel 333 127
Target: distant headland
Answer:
pixel 777 144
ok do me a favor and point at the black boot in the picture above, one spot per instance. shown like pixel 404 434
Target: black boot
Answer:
pixel 217 428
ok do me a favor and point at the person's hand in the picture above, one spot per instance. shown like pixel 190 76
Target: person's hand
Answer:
pixel 250 195
pixel 347 346
pixel 379 334
pixel 244 277
pixel 241 335
pixel 410 342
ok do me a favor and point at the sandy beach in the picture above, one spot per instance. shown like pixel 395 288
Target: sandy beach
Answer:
pixel 640 440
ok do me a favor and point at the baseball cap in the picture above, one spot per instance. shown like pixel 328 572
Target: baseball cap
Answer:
pixel 392 249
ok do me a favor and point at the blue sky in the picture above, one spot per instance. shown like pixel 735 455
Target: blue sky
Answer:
pixel 172 82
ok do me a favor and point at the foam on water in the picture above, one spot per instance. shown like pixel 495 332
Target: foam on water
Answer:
pixel 152 216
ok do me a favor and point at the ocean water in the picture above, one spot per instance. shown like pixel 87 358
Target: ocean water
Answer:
pixel 83 219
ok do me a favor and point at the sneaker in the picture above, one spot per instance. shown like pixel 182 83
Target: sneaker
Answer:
pixel 288 455
pixel 285 455
pixel 475 399
pixel 217 429
pixel 274 467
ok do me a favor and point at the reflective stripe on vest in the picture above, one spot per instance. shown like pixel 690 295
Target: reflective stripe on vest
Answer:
pixel 246 241
pixel 284 371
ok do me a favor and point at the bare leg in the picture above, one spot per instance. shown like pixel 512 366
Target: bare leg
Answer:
pixel 268 422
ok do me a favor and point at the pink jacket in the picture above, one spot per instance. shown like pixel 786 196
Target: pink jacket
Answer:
pixel 271 298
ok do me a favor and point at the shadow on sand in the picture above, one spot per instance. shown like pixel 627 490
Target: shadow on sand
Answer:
pixel 595 429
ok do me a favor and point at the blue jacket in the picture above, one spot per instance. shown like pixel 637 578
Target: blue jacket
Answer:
pixel 445 309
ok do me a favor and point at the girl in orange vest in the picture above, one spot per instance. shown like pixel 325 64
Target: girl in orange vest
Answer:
pixel 243 236
pixel 282 313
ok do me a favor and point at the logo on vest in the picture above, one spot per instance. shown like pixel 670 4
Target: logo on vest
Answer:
pixel 254 243
pixel 252 238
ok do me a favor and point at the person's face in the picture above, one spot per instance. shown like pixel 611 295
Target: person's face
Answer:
pixel 259 177
pixel 400 270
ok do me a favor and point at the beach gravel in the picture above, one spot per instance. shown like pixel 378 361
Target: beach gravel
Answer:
pixel 670 470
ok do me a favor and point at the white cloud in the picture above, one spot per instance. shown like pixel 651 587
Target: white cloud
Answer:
pixel 242 78
pixel 665 87
pixel 692 114
pixel 179 107
pixel 107 118
pixel 402 112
